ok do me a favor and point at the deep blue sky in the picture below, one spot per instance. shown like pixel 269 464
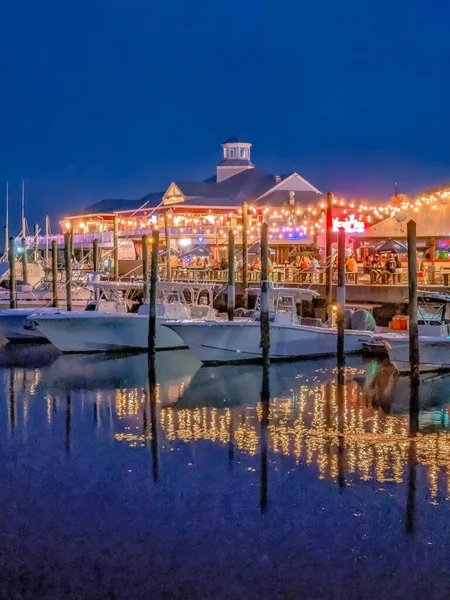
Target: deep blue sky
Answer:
pixel 109 99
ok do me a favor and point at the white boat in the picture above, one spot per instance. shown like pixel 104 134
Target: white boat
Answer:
pixel 108 331
pixel 236 341
pixel 434 354
pixel 41 295
pixel 433 315
pixel 15 327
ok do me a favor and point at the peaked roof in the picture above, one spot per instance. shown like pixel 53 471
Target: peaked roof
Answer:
pixel 234 140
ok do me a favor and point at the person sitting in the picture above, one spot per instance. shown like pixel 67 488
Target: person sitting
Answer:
pixel 391 264
pixel 256 264
pixel 314 263
pixel 297 261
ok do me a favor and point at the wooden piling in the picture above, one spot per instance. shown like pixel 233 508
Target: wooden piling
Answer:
pixel 24 261
pixel 55 302
pixel 328 250
pixel 168 252
pixel 264 299
pixel 340 297
pixel 12 274
pixel 116 248
pixel 95 265
pixel 245 252
pixel 68 270
pixel 414 358
pixel 231 284
pixel 145 267
pixel 152 301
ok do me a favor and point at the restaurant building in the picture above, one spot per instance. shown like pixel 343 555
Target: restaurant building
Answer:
pixel 201 212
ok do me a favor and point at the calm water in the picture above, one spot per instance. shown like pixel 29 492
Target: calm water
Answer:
pixel 197 489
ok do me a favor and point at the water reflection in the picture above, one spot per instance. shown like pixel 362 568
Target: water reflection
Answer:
pixel 349 426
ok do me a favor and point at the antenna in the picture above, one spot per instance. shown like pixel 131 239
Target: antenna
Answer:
pixel 395 189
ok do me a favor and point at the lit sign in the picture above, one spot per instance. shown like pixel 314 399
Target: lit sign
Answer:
pixel 351 225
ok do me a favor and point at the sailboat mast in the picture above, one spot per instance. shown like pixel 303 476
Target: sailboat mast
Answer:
pixel 7 220
pixel 24 225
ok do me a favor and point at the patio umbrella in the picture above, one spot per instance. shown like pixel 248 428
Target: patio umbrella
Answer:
pixel 391 245
pixel 197 250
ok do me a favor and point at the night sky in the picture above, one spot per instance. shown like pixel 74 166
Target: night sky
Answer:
pixel 116 99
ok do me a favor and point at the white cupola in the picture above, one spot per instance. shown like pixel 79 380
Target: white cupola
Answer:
pixel 236 158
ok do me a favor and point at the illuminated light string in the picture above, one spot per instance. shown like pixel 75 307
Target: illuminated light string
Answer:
pixel 289 222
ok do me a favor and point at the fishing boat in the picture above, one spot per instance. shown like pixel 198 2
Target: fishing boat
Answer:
pixel 433 314
pixel 434 353
pixel 236 341
pixel 114 330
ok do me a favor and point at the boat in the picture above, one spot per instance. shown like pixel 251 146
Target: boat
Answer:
pixel 433 321
pixel 16 326
pixel 434 353
pixel 115 330
pixel 236 341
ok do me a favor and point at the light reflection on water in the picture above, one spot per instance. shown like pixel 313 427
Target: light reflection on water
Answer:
pixel 345 437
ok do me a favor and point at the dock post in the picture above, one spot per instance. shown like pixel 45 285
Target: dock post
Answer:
pixel 12 274
pixel 152 302
pixel 95 261
pixel 24 261
pixel 340 297
pixel 264 299
pixel 54 274
pixel 231 286
pixel 116 248
pixel 168 253
pixel 145 267
pixel 414 358
pixel 47 231
pixel 68 269
pixel 245 252
pixel 36 242
pixel 329 250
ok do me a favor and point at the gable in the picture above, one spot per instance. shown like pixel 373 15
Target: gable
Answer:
pixel 292 183
pixel 173 195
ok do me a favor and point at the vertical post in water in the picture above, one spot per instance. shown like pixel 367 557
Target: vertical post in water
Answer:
pixel 47 233
pixel 145 266
pixel 264 298
pixel 55 274
pixel 12 274
pixel 414 359
pixel 245 252
pixel 24 261
pixel 152 302
pixel 231 287
pixel 340 297
pixel 116 248
pixel 328 250
pixel 35 242
pixel 95 261
pixel 168 252
pixel 265 406
pixel 68 269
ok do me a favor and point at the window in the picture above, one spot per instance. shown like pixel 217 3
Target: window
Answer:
pixel 232 153
pixel 242 152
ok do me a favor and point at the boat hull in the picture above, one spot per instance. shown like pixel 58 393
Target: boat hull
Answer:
pixel 15 326
pixel 434 353
pixel 103 332
pixel 228 342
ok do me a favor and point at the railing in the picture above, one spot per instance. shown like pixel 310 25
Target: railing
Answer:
pixel 105 239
